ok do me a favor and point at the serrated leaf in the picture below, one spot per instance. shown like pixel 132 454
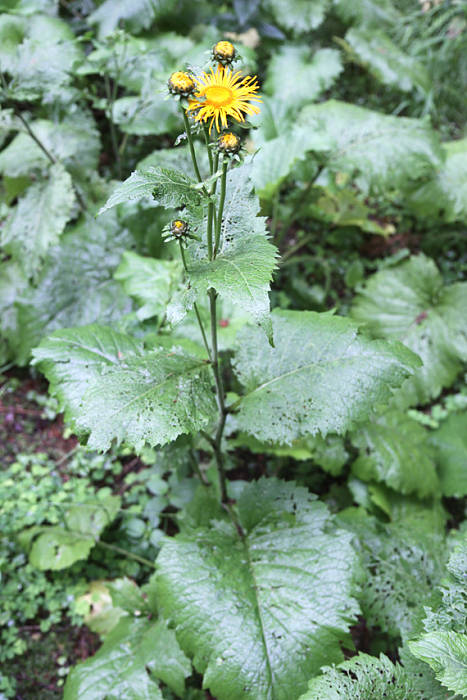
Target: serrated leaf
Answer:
pixel 151 282
pixel 137 15
pixel 411 303
pixel 133 654
pixel 450 442
pixel 376 52
pixel 363 677
pixel 113 390
pixel 242 271
pixel 39 219
pixel 299 16
pixel 74 141
pixel 394 448
pixel 291 389
pixel 446 653
pixel 372 13
pixel 380 151
pixel 316 71
pixel 146 116
pixel 445 195
pixel 261 612
pixel 170 188
pixel 78 269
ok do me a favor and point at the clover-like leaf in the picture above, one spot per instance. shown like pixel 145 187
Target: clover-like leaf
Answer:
pixel 112 389
pixel 321 376
pixel 410 303
pixel 261 610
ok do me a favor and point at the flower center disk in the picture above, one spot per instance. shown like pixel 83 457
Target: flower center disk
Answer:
pixel 218 96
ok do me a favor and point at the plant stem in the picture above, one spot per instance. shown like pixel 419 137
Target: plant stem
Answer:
pixel 125 553
pixel 206 139
pixel 219 397
pixel 111 94
pixel 191 145
pixel 195 306
pixel 221 206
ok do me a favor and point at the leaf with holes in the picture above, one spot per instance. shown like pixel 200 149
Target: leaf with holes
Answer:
pixel 446 653
pixel 291 390
pixel 410 303
pixel 260 611
pixel 113 390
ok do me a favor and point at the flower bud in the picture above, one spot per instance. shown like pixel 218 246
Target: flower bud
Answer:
pixel 229 143
pixel 224 53
pixel 178 228
pixel 181 83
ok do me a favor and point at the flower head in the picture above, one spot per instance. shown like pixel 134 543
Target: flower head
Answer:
pixel 223 94
pixel 224 52
pixel 181 83
pixel 229 143
pixel 178 230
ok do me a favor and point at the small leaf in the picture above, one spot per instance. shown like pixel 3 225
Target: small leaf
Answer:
pixel 170 188
pixel 112 389
pixel 291 389
pixel 249 608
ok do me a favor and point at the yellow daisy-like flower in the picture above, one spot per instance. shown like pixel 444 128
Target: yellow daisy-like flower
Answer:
pixel 223 94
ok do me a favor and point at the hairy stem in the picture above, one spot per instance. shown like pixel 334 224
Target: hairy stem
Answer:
pixel 219 398
pixel 189 137
pixel 195 306
pixel 220 210
pixel 111 94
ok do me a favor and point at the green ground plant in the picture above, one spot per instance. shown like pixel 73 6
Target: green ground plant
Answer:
pixel 276 509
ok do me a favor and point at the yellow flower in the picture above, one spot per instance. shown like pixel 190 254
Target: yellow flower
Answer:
pixel 229 142
pixel 223 94
pixel 224 52
pixel 181 83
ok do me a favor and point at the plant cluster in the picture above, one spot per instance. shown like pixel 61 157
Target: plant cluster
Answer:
pixel 292 522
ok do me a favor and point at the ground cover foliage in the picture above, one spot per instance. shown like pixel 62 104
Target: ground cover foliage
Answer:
pixel 268 495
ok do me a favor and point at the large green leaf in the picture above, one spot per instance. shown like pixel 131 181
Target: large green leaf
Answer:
pixel 450 441
pixel 300 16
pixel 134 654
pixel 170 188
pixel 74 141
pixel 364 677
pixel 75 286
pixel 38 220
pixel 375 51
pixel 411 303
pixel 293 66
pixel 394 448
pixel 368 12
pixel 151 282
pixel 260 611
pixel 136 15
pixel 445 195
pixel 381 151
pixel 446 653
pixel 243 268
pixel 13 282
pixel 146 116
pixel 113 390
pixel 291 389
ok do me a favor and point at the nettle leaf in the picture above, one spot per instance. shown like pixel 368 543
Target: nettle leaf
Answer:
pixel 445 195
pixel 242 271
pixel 134 654
pixel 75 286
pixel 151 282
pixel 450 442
pixel 376 52
pixel 74 141
pixel 403 562
pixel 446 653
pixel 299 65
pixel 262 611
pixel 170 188
pixel 394 449
pixel 412 304
pixel 364 677
pixel 299 16
pixel 291 389
pixel 38 220
pixel 380 151
pixel 113 390
pixel 144 116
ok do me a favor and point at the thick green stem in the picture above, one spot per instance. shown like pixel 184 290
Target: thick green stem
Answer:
pixel 111 95
pixel 195 306
pixel 219 457
pixel 189 137
pixel 206 139
pixel 220 210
